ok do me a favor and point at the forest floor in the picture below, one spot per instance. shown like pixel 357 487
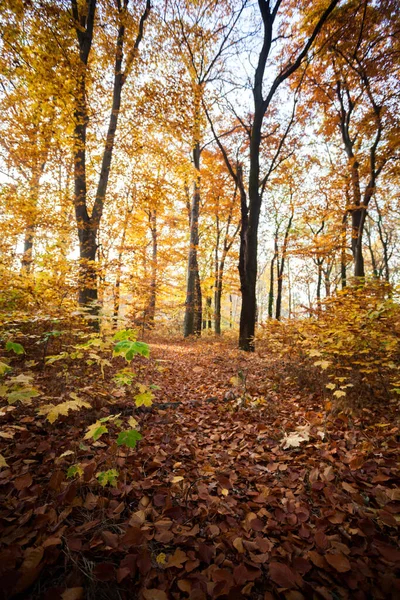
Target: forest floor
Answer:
pixel 243 486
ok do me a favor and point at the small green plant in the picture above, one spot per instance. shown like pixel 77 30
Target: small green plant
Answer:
pixel 15 347
pixel 129 438
pixel 108 477
pixel 127 346
pixel 19 388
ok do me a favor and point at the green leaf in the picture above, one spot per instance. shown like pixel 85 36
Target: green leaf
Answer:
pixel 124 377
pixel 129 349
pixel 17 348
pixel 74 470
pixel 125 334
pixel 108 477
pixel 55 357
pixel 95 431
pixel 4 368
pixel 23 395
pixel 128 438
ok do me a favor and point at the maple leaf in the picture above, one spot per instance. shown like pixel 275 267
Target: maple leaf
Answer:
pixel 108 477
pixel 14 347
pixel 144 398
pixel 4 368
pixel 52 411
pixel 128 438
pixel 295 438
pixel 95 431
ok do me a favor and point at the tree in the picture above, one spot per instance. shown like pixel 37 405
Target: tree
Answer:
pixel 354 81
pixel 89 223
pixel 251 198
pixel 203 30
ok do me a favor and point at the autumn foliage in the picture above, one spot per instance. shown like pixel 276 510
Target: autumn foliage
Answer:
pixel 348 350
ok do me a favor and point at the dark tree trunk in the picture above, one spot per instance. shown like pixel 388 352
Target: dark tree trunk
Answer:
pixel 343 268
pixel 281 266
pixel 371 251
pixel 271 278
pixel 198 304
pixel 193 307
pixel 217 307
pixel 153 278
pixel 319 283
pixel 384 241
pixel 271 288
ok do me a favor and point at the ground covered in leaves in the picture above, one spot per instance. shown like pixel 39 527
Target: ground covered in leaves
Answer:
pixel 242 486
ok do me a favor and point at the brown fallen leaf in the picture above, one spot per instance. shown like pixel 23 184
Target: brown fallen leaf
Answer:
pixel 22 482
pixel 284 576
pixel 177 559
pixel 75 593
pixel 338 561
pixel 154 594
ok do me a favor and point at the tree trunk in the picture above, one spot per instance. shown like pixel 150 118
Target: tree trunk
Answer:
pixel 319 283
pixel 271 279
pixel 218 294
pixel 27 257
pixel 193 306
pixel 88 225
pixel 343 268
pixel 278 308
pixel 371 251
pixel 153 280
pixel 281 266
pixel 198 305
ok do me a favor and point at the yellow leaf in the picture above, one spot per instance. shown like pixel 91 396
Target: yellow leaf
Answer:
pixel 132 422
pixel 314 352
pixel 238 544
pixel 3 462
pixel 177 479
pixel 324 364
pixel 161 558
pixel 224 492
pixel 339 393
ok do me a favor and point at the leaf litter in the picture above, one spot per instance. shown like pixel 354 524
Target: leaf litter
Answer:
pixel 230 493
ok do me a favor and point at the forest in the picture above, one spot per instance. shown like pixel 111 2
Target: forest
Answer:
pixel 199 299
